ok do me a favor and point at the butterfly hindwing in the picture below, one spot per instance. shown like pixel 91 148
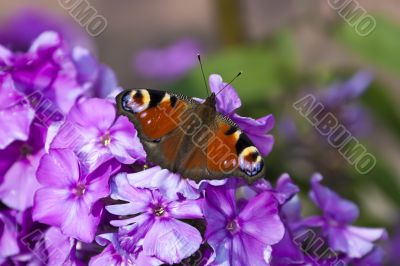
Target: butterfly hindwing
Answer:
pixel 231 152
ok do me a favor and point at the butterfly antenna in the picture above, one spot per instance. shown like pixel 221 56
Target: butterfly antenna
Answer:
pixel 230 82
pixel 202 72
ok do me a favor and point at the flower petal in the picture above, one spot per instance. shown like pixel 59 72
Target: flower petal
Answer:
pixel 222 199
pixel 263 124
pixel 221 246
pixel 51 206
pixel 171 241
pixel 107 257
pixel 248 251
pixel 5 55
pixel 286 188
pixel 370 234
pixel 342 92
pixel 59 168
pixel 259 219
pixel 228 100
pixel 169 184
pixel 81 220
pixel 130 236
pixel 106 82
pixel 286 252
pixel 238 252
pixel 58 246
pixel 46 41
pixel 374 258
pixel 8 236
pixel 94 112
pixel 188 209
pixel 97 186
pixel 313 221
pixel 16 115
pixel 12 193
pixel 86 65
pixel 125 144
pixel 331 203
pixel 122 190
pixel 356 242
pixel 8 157
pixel 216 224
pixel 256 130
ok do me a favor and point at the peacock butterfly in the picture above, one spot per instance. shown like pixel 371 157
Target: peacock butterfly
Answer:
pixel 189 137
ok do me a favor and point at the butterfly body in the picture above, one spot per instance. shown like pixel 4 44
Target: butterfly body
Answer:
pixel 188 137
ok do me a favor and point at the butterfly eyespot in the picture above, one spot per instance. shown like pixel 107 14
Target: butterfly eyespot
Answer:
pixel 250 161
pixel 136 101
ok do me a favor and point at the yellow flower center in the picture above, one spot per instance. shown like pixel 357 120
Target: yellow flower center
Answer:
pixel 232 226
pixel 159 211
pixel 106 139
pixel 79 190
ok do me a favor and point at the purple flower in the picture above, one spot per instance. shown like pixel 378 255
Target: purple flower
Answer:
pixel 97 135
pixel 113 254
pixel 338 214
pixel 170 184
pixel 60 248
pixel 46 75
pixel 394 247
pixel 69 199
pixel 287 252
pixel 241 235
pixel 285 189
pixel 374 258
pixel 339 99
pixel 155 230
pixel 23 162
pixel 23 27
pixel 97 79
pixel 8 236
pixel 16 115
pixel 168 63
pixel 341 93
pixel 227 103
pixel 41 245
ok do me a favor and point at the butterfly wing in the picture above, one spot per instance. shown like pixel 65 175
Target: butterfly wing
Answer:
pixel 232 153
pixel 219 150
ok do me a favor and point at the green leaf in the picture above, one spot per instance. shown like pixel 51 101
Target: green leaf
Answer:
pixel 383 106
pixel 267 69
pixel 382 177
pixel 381 47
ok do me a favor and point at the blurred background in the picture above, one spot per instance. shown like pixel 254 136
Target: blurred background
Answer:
pixel 285 49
